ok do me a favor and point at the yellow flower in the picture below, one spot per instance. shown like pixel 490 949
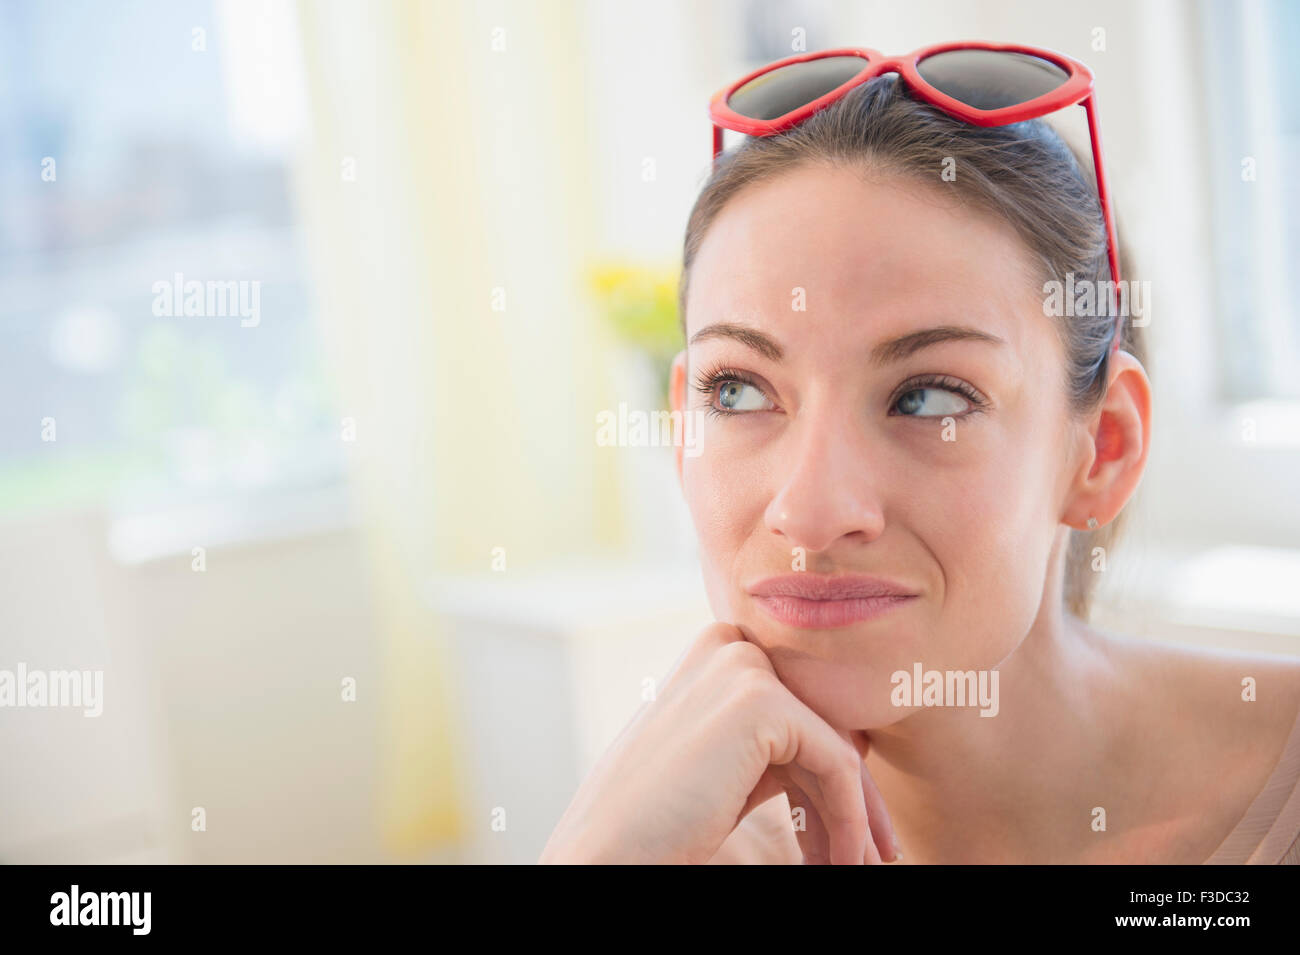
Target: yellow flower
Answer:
pixel 640 302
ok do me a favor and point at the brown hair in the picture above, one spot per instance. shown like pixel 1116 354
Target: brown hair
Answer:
pixel 1025 174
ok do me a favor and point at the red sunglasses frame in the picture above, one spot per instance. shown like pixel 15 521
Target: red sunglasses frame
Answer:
pixel 1077 89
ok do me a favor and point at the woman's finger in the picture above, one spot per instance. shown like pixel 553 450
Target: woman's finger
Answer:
pixel 768 787
pixel 835 791
pixel 814 841
pixel 882 827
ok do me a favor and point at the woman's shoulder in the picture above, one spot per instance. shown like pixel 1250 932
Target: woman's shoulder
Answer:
pixel 1237 720
pixel 1232 690
pixel 1243 706
pixel 1266 734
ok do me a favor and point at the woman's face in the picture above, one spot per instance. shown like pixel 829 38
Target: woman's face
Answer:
pixel 841 456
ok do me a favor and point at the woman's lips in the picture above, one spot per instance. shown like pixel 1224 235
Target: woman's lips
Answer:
pixel 824 614
pixel 813 602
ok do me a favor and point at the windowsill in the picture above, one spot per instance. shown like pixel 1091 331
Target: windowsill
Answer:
pixel 1267 424
pixel 571 598
pixel 1230 587
pixel 229 522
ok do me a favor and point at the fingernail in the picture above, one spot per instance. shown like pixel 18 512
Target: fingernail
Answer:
pixel 898 852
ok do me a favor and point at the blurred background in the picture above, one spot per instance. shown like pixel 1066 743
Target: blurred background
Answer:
pixel 363 582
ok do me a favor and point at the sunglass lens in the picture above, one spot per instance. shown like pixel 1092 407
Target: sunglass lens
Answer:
pixel 783 90
pixel 991 79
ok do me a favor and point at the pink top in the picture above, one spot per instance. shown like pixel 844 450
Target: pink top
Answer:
pixel 1269 832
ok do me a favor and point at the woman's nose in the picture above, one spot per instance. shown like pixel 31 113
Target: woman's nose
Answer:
pixel 826 489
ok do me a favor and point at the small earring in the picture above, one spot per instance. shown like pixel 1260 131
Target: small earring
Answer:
pixel 1092 523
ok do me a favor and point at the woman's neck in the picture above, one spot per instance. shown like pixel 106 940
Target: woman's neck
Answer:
pixel 1023 785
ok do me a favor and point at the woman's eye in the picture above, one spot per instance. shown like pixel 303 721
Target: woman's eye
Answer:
pixel 937 402
pixel 740 396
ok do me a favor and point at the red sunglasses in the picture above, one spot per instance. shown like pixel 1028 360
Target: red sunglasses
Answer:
pixel 985 84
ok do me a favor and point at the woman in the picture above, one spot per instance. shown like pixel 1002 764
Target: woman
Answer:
pixel 909 468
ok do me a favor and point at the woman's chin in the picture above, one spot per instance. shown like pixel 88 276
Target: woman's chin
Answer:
pixel 845 696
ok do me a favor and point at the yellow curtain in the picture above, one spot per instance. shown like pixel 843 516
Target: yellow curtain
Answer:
pixel 447 201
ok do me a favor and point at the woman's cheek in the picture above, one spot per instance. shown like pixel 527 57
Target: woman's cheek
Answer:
pixel 715 496
pixel 993 551
pixel 942 443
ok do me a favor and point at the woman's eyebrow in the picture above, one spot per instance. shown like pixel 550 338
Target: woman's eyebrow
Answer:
pixel 896 349
pixel 886 352
pixel 761 343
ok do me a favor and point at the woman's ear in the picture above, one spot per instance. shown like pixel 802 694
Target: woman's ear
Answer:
pixel 1118 439
pixel 677 400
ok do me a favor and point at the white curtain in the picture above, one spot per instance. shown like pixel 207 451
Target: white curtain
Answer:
pixel 448 199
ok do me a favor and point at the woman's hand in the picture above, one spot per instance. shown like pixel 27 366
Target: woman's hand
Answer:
pixel 723 737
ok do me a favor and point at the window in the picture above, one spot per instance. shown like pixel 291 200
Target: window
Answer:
pixel 1253 117
pixel 135 160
